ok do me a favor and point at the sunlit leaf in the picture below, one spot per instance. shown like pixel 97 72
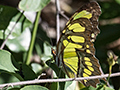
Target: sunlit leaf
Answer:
pixel 71 85
pixel 20 43
pixel 6 62
pixel 47 52
pixel 33 5
pixel 34 87
pixel 20 37
pixel 36 67
pixel 103 87
pixel 118 1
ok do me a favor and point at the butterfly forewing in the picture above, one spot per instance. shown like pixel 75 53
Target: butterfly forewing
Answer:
pixel 90 11
pixel 75 49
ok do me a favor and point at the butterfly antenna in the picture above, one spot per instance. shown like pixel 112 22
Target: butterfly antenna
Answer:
pixel 47 43
pixel 41 39
pixel 51 41
pixel 62 13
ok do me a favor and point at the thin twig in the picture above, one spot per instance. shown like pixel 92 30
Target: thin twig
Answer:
pixel 57 19
pixel 58 12
pixel 57 80
pixel 62 13
pixel 3 44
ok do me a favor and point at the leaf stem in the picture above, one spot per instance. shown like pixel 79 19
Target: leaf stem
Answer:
pixel 33 39
pixel 110 71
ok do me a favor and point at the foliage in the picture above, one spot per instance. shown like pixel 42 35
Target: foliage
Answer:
pixel 13 57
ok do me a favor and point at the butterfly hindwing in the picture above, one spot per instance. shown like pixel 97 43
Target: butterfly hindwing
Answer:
pixel 88 66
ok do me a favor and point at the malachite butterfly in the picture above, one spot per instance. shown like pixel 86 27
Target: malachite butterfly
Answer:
pixel 75 49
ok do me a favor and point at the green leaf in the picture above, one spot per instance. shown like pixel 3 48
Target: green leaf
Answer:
pixel 34 87
pixel 27 72
pixel 58 72
pixel 19 39
pixel 33 5
pixel 20 43
pixel 13 88
pixel 47 52
pixel 89 88
pixel 36 67
pixel 5 62
pixel 38 49
pixel 71 85
pixel 107 88
pixel 6 14
pixel 9 79
pixel 118 1
pixel 52 64
pixel 47 49
pixel 103 87
pixel 54 86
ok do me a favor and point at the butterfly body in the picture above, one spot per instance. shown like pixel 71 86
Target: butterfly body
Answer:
pixel 75 49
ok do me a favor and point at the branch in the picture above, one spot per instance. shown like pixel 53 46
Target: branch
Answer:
pixel 57 19
pixel 62 13
pixel 3 44
pixel 58 12
pixel 36 81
